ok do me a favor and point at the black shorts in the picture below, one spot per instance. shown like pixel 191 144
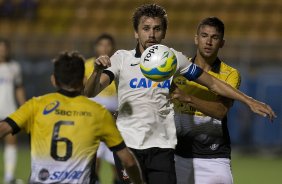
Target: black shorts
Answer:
pixel 157 165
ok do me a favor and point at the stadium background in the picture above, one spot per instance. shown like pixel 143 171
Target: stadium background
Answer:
pixel 39 30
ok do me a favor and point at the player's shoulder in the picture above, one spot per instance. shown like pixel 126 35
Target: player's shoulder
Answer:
pixel 176 52
pixel 227 68
pixel 124 52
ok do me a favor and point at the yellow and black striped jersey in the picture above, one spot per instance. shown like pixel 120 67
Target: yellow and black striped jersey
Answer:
pixel 224 73
pixel 66 129
pixel 199 135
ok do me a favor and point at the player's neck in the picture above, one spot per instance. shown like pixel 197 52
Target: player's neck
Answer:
pixel 204 63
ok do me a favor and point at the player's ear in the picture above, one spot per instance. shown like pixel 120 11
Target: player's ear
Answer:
pixel 53 80
pixel 136 35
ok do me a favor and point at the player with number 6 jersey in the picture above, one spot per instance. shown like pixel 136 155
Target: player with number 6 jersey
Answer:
pixel 66 129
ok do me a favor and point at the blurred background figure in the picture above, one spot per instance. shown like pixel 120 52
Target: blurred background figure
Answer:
pixel 104 45
pixel 12 94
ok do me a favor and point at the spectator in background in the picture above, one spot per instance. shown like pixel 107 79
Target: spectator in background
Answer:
pixel 203 150
pixel 104 45
pixel 66 128
pixel 12 94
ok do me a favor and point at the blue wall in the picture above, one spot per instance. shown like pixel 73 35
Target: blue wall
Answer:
pixel 249 129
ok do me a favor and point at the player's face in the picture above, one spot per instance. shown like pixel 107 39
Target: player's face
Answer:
pixel 208 41
pixel 104 47
pixel 150 32
pixel 3 51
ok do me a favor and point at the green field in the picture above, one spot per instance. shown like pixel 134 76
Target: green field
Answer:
pixel 248 169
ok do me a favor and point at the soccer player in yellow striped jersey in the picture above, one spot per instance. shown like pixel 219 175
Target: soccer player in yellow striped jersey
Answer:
pixel 203 149
pixel 66 129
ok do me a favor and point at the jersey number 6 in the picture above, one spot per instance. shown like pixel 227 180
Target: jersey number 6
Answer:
pixel 56 139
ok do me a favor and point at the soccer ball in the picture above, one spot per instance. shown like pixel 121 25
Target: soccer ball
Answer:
pixel 158 63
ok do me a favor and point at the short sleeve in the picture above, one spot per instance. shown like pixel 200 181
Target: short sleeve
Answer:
pixel 23 116
pixel 183 63
pixel 234 79
pixel 116 61
pixel 109 132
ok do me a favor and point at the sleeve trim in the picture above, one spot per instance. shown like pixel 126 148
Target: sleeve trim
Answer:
pixel 118 147
pixel 193 72
pixel 13 124
pixel 110 74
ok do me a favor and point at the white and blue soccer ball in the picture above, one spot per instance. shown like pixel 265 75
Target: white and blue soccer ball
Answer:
pixel 158 63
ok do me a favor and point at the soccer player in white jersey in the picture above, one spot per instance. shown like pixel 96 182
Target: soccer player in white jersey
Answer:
pixel 12 94
pixel 146 115
pixel 66 129
pixel 203 151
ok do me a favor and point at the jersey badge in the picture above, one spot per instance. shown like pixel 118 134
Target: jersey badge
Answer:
pixel 51 107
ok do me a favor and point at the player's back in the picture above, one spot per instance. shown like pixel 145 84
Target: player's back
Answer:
pixel 65 132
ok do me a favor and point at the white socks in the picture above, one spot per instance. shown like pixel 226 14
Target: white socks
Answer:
pixel 10 161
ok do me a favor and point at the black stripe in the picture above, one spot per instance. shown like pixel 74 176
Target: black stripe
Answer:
pixel 110 74
pixel 118 147
pixel 13 124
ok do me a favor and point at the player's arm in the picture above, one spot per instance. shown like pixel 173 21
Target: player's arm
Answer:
pixel 98 80
pixel 216 109
pixel 228 91
pixel 131 165
pixel 5 129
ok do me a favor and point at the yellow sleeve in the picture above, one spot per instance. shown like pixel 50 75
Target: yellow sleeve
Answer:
pixel 24 116
pixel 109 132
pixel 234 79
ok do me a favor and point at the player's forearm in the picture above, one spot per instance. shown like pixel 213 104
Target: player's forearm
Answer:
pixel 213 109
pixel 228 91
pixel 134 174
pixel 93 86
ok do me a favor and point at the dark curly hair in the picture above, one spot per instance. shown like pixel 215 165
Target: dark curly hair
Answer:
pixel 69 70
pixel 150 10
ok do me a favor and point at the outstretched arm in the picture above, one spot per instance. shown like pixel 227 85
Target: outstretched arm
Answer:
pixel 216 109
pixel 226 90
pixel 98 80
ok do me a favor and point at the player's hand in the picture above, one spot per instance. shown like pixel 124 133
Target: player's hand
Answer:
pixel 178 94
pixel 262 109
pixel 102 62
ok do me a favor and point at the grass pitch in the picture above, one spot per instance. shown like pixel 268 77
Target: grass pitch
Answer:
pixel 247 169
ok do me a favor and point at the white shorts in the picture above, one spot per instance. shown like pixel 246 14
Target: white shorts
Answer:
pixel 105 153
pixel 203 171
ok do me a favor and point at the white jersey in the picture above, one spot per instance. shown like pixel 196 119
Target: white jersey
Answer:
pixel 10 76
pixel 146 116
